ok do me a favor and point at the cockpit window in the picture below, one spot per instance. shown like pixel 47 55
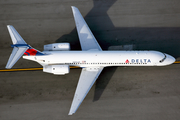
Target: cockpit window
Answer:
pixel 163 58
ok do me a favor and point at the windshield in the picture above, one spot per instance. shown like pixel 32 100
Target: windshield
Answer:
pixel 163 58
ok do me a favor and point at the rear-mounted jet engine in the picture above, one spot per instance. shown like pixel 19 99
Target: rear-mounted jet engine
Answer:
pixel 57 47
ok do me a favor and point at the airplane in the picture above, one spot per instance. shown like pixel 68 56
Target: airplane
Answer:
pixel 57 58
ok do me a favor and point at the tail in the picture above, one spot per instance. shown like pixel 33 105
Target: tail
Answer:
pixel 20 47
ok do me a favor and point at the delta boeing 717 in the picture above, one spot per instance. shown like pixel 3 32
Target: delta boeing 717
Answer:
pixel 57 58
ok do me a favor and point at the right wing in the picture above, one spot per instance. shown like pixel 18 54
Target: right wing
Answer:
pixel 87 39
pixel 86 81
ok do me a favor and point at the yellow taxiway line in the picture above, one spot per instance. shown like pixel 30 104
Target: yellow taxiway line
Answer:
pixel 22 69
pixel 177 62
pixel 29 69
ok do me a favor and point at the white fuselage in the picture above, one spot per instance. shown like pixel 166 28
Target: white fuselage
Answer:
pixel 103 58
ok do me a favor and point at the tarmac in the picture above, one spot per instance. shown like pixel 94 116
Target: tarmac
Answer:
pixel 120 93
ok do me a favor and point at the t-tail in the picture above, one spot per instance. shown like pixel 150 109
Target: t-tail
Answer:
pixel 20 47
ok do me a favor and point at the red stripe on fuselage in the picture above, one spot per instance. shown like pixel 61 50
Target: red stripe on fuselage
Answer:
pixel 31 52
pixel 25 54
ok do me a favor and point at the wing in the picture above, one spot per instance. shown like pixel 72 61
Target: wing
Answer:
pixel 87 39
pixel 87 78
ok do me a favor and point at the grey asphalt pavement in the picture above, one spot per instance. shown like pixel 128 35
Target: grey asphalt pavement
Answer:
pixel 120 93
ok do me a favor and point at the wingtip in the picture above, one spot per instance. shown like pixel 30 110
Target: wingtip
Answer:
pixel 7 67
pixel 9 25
pixel 70 114
pixel 73 7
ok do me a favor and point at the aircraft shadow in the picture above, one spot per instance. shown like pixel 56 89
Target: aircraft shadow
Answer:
pixel 102 81
pixel 163 39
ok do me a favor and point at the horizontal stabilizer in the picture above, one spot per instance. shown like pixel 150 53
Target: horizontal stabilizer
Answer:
pixel 19 46
pixel 16 38
pixel 15 55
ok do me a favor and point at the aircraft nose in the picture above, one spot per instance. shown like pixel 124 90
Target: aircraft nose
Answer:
pixel 170 59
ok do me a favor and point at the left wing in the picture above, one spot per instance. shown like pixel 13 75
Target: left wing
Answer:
pixel 86 81
pixel 87 39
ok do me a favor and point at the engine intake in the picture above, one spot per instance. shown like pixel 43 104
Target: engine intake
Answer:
pixel 56 69
pixel 57 47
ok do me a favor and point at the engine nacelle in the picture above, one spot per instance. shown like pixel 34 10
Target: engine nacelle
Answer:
pixel 57 47
pixel 56 69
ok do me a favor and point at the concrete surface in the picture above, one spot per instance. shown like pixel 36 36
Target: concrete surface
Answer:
pixel 131 93
pixel 120 92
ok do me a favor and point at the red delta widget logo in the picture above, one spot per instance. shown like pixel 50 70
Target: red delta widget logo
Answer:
pixel 138 61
